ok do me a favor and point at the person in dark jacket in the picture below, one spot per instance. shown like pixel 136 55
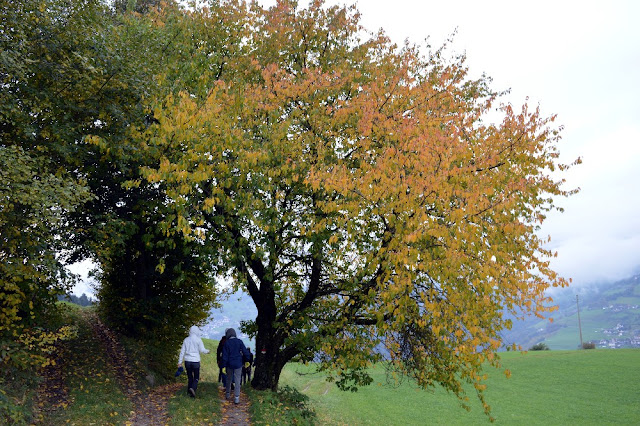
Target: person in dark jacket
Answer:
pixel 246 369
pixel 233 353
pixel 222 377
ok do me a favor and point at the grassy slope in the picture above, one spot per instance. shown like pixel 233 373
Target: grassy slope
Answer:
pixel 94 395
pixel 551 387
pixel 96 398
pixel 595 315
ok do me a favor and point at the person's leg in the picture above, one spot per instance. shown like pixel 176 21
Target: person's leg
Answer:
pixel 196 376
pixel 228 382
pixel 188 365
pixel 249 375
pixel 237 373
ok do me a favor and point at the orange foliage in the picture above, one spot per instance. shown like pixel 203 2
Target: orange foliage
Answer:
pixel 355 190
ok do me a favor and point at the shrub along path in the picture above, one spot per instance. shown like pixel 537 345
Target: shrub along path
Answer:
pixel 234 414
pixel 149 408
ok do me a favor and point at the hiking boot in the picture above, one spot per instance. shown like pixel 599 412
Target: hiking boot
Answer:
pixel 192 393
pixel 236 400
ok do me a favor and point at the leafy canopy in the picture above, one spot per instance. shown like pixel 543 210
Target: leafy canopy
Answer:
pixel 358 195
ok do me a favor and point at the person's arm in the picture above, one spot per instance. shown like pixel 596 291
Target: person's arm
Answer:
pixel 225 355
pixel 245 352
pixel 202 348
pixel 181 357
pixel 245 355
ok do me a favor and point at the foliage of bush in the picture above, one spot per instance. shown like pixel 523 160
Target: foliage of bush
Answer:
pixel 22 359
pixel 539 347
pixel 286 406
pixel 588 345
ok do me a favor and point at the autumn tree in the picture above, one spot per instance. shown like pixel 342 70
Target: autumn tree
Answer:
pixel 356 192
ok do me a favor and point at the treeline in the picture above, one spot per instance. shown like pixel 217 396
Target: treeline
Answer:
pixel 82 300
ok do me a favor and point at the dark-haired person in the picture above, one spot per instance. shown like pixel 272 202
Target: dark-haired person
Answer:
pixel 222 377
pixel 246 368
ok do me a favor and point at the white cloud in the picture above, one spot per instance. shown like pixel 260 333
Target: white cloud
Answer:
pixel 85 284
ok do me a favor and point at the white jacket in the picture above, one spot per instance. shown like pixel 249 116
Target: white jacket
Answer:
pixel 192 346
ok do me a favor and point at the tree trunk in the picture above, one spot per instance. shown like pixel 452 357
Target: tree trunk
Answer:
pixel 268 364
pixel 268 344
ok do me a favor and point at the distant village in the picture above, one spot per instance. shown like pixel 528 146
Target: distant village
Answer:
pixel 216 328
pixel 620 336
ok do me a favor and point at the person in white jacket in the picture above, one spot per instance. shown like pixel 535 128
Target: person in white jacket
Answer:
pixel 192 346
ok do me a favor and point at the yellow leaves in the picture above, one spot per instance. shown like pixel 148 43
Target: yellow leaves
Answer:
pixel 94 140
pixel 480 387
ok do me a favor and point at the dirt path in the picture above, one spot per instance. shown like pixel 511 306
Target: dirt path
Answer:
pixel 152 409
pixel 149 408
pixel 234 414
pixel 52 393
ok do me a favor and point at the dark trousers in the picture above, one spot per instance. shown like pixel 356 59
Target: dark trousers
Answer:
pixel 246 375
pixel 222 378
pixel 193 373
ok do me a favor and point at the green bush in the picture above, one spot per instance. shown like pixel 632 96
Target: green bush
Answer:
pixel 588 345
pixel 539 347
pixel 286 406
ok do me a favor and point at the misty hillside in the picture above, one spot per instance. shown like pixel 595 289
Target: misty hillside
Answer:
pixel 609 314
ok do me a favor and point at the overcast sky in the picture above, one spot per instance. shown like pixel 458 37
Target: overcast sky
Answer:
pixel 577 59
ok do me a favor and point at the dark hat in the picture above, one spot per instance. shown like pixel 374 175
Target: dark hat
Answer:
pixel 179 371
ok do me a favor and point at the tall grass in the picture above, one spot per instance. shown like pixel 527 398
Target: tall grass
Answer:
pixel 550 388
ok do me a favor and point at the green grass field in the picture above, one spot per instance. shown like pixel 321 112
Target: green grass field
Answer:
pixel 546 387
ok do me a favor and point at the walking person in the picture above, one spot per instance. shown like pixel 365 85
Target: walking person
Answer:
pixel 222 377
pixel 246 368
pixel 192 346
pixel 233 353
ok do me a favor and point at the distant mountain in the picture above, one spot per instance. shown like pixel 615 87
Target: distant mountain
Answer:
pixel 238 307
pixel 609 317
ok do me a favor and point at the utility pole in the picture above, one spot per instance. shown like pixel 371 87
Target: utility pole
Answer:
pixel 579 324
